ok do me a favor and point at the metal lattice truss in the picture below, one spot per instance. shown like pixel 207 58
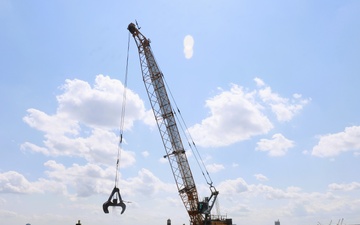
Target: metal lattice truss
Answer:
pixel 164 115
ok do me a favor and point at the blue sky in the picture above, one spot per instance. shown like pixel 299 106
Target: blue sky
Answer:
pixel 269 91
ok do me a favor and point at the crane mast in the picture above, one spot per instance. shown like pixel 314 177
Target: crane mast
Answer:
pixel 164 115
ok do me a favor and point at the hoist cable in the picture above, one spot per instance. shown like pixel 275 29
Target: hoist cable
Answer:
pixel 191 142
pixel 122 120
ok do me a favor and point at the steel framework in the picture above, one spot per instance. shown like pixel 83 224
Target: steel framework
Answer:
pixel 164 115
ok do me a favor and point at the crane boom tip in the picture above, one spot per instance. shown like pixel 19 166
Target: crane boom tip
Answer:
pixel 132 28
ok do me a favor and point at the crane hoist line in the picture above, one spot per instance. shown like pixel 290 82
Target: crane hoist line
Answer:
pixel 199 211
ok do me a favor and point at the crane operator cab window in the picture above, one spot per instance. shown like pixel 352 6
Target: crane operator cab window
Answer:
pixel 203 206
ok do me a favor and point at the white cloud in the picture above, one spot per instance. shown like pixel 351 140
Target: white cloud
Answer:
pixel 275 193
pixel 238 114
pixel 14 182
pixel 149 119
pixel 84 121
pixel 236 186
pixel 85 180
pixel 8 214
pixel 344 187
pixel 259 82
pixel 2 201
pixel 214 168
pixel 333 144
pixel 277 146
pixel 145 154
pixel 188 46
pixel 79 101
pixel 147 184
pixel 265 202
pixel 239 199
pixel 261 177
pixel 100 147
pixel 34 148
pixel 284 108
pixel 54 124
pixel 234 116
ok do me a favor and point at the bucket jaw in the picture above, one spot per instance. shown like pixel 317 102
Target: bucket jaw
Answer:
pixel 114 200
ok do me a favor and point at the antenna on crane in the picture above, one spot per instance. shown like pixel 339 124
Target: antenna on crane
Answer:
pixel 137 25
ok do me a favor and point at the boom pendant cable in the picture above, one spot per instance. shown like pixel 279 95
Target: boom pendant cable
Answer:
pixel 192 145
pixel 115 197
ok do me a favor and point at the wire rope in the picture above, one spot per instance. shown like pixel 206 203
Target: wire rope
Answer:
pixel 122 120
pixel 191 142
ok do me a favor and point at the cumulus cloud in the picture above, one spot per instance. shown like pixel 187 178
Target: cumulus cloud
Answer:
pixel 277 146
pixel 333 144
pixel 234 116
pixel 14 182
pixel 147 184
pixel 85 180
pixel 145 154
pixel 214 168
pixel 73 181
pixel 345 187
pixel 233 186
pixel 85 120
pixel 188 46
pixel 80 99
pixel 240 186
pixel 259 82
pixel 283 108
pixel 55 124
pixel 261 177
pixel 83 126
pixel 287 203
pixel 239 114
pixel 100 147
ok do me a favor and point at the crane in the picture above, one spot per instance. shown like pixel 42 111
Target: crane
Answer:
pixel 198 211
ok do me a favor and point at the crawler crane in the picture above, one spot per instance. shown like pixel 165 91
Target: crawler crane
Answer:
pixel 199 211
